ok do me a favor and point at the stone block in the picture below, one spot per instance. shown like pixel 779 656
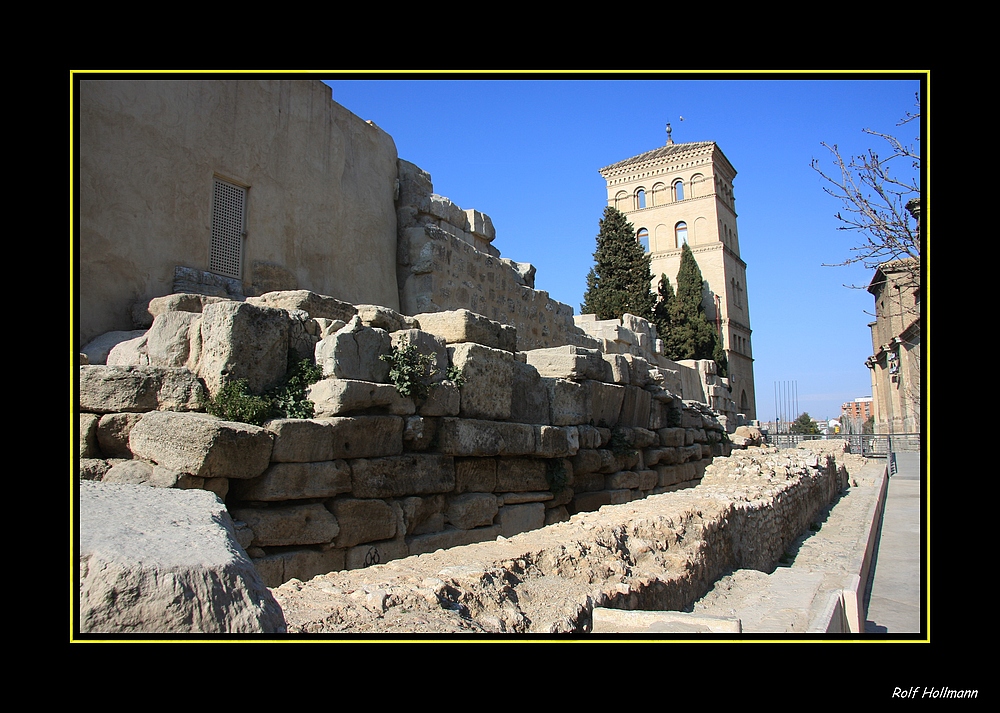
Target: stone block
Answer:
pixel 469 437
pixel 556 514
pixel 671 437
pixel 338 397
pixel 135 472
pixel 648 479
pixel 298 440
pixel 515 519
pixel 585 402
pixel 354 353
pixel 586 461
pixel 477 475
pixel 303 564
pixel 138 389
pixel 426 343
pixel 112 433
pixel 384 318
pixel 362 521
pixel 93 468
pixel 418 516
pixel 230 331
pixel 587 502
pixel 451 537
pixel 461 325
pixel 399 476
pixel 419 433
pixel 570 362
pixel 556 441
pixel 487 380
pixel 289 525
pixel 295 481
pixel 635 407
pixel 529 396
pixel 315 304
pixel 366 436
pixel 97 349
pixel 443 399
pixel 538 496
pixel 88 435
pixel 372 553
pixel 590 436
pixel 622 479
pixel 480 225
pixel 201 445
pixel 619 368
pixel 587 482
pixel 471 510
pixel 521 474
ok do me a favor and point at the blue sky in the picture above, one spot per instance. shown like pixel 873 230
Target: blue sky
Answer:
pixel 527 153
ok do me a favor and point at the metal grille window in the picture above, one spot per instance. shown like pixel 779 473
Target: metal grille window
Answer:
pixel 228 211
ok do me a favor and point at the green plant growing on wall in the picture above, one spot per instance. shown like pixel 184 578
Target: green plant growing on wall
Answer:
pixel 410 371
pixel 555 474
pixel 290 395
pixel 234 402
pixel 455 376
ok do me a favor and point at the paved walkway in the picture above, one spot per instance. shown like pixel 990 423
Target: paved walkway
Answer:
pixel 895 598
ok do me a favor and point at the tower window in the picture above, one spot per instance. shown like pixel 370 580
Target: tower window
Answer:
pixel 643 237
pixel 681 233
pixel 678 190
pixel 640 198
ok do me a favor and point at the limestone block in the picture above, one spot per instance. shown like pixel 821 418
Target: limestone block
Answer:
pixel 337 397
pixel 88 435
pixel 315 304
pixel 450 537
pixel 303 564
pixel 487 380
pixel 459 326
pixel 174 340
pixel 362 521
pixel 671 437
pixel 584 402
pixel 443 399
pixel 384 318
pixel 642 437
pixel 289 525
pixel 469 437
pixel 586 461
pixel 298 440
pixel 619 368
pixel 690 418
pixel 140 547
pixel 443 208
pixel 480 225
pixel 514 519
pixel 529 396
pixel 635 407
pixel 112 433
pixel 521 474
pixel 426 343
pixel 372 553
pixel 587 502
pixel 98 348
pixel 419 433
pixel 471 510
pixel 538 496
pixel 556 514
pixel 591 437
pixel 415 185
pixel 587 482
pixel 134 472
pixel 92 468
pixel 622 479
pixel 399 476
pixel 243 341
pixel 353 353
pixel 475 475
pixel 303 334
pixel 366 436
pixel 137 389
pixel 180 302
pixel 295 481
pixel 570 362
pixel 201 445
pixel 556 441
pixel 129 353
pixel 418 516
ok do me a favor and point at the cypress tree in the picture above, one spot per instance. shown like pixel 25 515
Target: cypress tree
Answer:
pixel 619 281
pixel 661 311
pixel 690 335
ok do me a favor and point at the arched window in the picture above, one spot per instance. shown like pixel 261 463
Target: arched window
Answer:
pixel 640 198
pixel 620 201
pixel 678 190
pixel 643 237
pixel 681 233
pixel 696 181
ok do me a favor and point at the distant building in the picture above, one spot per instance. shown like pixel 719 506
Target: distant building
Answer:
pixel 859 409
pixel 683 193
pixel 895 362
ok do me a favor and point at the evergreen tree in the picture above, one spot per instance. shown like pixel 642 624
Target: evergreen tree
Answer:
pixel 661 311
pixel 619 281
pixel 690 335
pixel 804 424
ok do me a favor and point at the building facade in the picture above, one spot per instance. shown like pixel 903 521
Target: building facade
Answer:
pixel 683 194
pixel 895 361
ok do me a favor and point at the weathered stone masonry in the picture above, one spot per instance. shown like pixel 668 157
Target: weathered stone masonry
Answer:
pixel 528 439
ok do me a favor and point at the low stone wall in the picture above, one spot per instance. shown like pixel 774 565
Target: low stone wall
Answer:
pixel 659 553
pixel 523 440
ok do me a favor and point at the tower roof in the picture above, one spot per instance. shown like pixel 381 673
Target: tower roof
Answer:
pixel 672 151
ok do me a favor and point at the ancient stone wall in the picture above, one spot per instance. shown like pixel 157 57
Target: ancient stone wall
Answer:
pixel 509 442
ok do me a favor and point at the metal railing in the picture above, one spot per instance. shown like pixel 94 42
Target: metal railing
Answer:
pixel 871 445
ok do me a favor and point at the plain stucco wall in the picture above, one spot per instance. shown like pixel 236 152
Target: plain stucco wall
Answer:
pixel 320 200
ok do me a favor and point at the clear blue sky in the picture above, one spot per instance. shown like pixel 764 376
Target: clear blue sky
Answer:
pixel 527 152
